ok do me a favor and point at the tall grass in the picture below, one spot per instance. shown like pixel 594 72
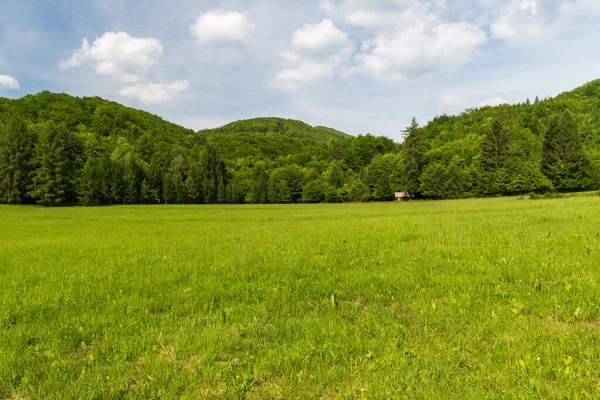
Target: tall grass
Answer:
pixel 494 298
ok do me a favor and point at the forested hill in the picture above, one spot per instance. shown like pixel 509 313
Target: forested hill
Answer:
pixel 56 149
pixel 271 138
pixel 95 117
pixel 534 146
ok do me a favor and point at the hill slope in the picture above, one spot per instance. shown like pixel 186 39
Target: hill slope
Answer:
pixel 93 115
pixel 270 137
pixel 267 138
pixel 451 156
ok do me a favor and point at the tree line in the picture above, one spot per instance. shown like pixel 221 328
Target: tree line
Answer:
pixel 58 150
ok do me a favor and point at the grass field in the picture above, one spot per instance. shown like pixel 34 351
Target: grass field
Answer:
pixel 465 299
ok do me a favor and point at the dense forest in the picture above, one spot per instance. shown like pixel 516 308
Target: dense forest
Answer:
pixel 56 149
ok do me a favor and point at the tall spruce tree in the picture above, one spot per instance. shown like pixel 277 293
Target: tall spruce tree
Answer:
pixel 563 159
pixel 494 148
pixel 16 155
pixel 494 156
pixel 260 189
pixel 213 175
pixel 414 147
pixel 90 183
pixel 48 187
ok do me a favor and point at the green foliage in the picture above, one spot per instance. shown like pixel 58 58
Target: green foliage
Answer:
pixel 359 191
pixel 494 175
pixel 503 150
pixel 313 192
pixel 92 181
pixel 49 177
pixel 415 146
pixel 109 154
pixel 269 138
pixel 564 161
pixel 16 154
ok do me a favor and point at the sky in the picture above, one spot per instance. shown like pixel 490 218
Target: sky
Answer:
pixel 360 66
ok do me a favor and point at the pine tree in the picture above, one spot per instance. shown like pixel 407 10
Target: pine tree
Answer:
pixel 16 154
pixel 493 176
pixel 90 184
pixel 259 193
pixel 213 173
pixel 415 147
pixel 48 187
pixel 191 190
pixel 382 190
pixel 494 148
pixel 147 194
pixel 221 192
pixel 563 159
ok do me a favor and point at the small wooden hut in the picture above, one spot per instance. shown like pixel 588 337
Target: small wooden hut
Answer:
pixel 403 196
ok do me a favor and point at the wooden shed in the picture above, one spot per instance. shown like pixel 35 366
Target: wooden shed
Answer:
pixel 403 196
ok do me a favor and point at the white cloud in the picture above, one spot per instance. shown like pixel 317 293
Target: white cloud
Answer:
pixel 530 22
pixel 307 71
pixel 378 13
pixel 321 36
pixel 494 101
pixel 421 50
pixel 452 101
pixel 409 38
pixel 221 27
pixel 116 54
pixel 154 93
pixel 8 82
pixel 319 52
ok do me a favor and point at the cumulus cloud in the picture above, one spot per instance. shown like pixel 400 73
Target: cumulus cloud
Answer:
pixel 318 52
pixel 154 93
pixel 307 71
pixel 321 36
pixel 494 101
pixel 116 54
pixel 408 38
pixel 452 101
pixel 530 22
pixel 8 82
pixel 421 50
pixel 221 27
pixel 378 13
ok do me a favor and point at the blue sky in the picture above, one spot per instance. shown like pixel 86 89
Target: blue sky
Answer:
pixel 361 66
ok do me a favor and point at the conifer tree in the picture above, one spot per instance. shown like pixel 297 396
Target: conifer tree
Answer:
pixel 494 156
pixel 16 154
pixel 414 145
pixel 90 184
pixel 494 147
pixel 563 158
pixel 191 190
pixel 48 187
pixel 259 193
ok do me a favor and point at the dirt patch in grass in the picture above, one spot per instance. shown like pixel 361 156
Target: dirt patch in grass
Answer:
pixel 591 325
pixel 132 383
pixel 167 354
pixel 267 388
pixel 233 362
pixel 82 352
pixel 193 361
pixel 207 391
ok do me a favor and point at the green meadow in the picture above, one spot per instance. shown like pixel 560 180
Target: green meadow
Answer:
pixel 470 299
